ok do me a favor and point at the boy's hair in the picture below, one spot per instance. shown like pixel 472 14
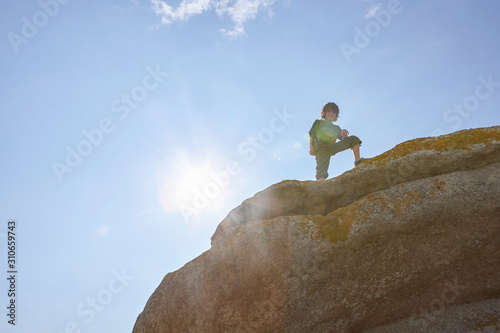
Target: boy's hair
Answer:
pixel 329 106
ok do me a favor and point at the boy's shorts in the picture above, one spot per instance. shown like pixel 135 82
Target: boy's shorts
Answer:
pixel 323 152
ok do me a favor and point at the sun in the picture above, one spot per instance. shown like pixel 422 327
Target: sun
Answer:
pixel 193 188
pixel 184 178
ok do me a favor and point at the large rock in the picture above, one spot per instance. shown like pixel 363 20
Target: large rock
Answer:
pixel 408 241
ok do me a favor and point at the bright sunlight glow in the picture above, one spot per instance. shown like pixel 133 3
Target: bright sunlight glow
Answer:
pixel 193 188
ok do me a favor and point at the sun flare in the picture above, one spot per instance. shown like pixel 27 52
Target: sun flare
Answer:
pixel 193 188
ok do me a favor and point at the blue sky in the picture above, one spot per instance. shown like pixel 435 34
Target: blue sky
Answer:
pixel 129 129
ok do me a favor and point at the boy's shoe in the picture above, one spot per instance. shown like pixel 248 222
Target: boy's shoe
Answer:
pixel 356 163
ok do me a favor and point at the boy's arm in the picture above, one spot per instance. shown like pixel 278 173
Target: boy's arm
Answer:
pixel 342 133
pixel 311 138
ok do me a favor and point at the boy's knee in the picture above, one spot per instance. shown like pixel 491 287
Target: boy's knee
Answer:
pixel 354 140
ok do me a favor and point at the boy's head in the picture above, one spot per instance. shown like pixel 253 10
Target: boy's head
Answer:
pixel 330 107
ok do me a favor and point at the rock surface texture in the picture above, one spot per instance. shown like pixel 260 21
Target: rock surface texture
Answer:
pixel 409 241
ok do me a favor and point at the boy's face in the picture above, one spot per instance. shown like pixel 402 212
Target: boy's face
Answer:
pixel 331 116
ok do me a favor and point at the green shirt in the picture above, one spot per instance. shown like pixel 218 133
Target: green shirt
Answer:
pixel 325 131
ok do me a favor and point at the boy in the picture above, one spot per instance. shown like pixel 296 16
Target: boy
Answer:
pixel 323 136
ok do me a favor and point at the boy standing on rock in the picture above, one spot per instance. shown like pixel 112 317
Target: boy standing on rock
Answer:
pixel 323 136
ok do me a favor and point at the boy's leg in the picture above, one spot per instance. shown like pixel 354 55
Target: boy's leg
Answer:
pixel 351 142
pixel 355 151
pixel 322 164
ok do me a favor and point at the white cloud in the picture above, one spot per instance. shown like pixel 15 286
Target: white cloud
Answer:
pixel 186 9
pixel 237 31
pixel 239 11
pixel 373 10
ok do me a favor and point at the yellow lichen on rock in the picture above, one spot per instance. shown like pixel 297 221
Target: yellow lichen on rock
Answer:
pixel 439 185
pixel 336 226
pixel 488 322
pixel 330 227
pixel 461 140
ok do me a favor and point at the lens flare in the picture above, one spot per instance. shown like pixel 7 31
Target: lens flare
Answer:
pixel 194 188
